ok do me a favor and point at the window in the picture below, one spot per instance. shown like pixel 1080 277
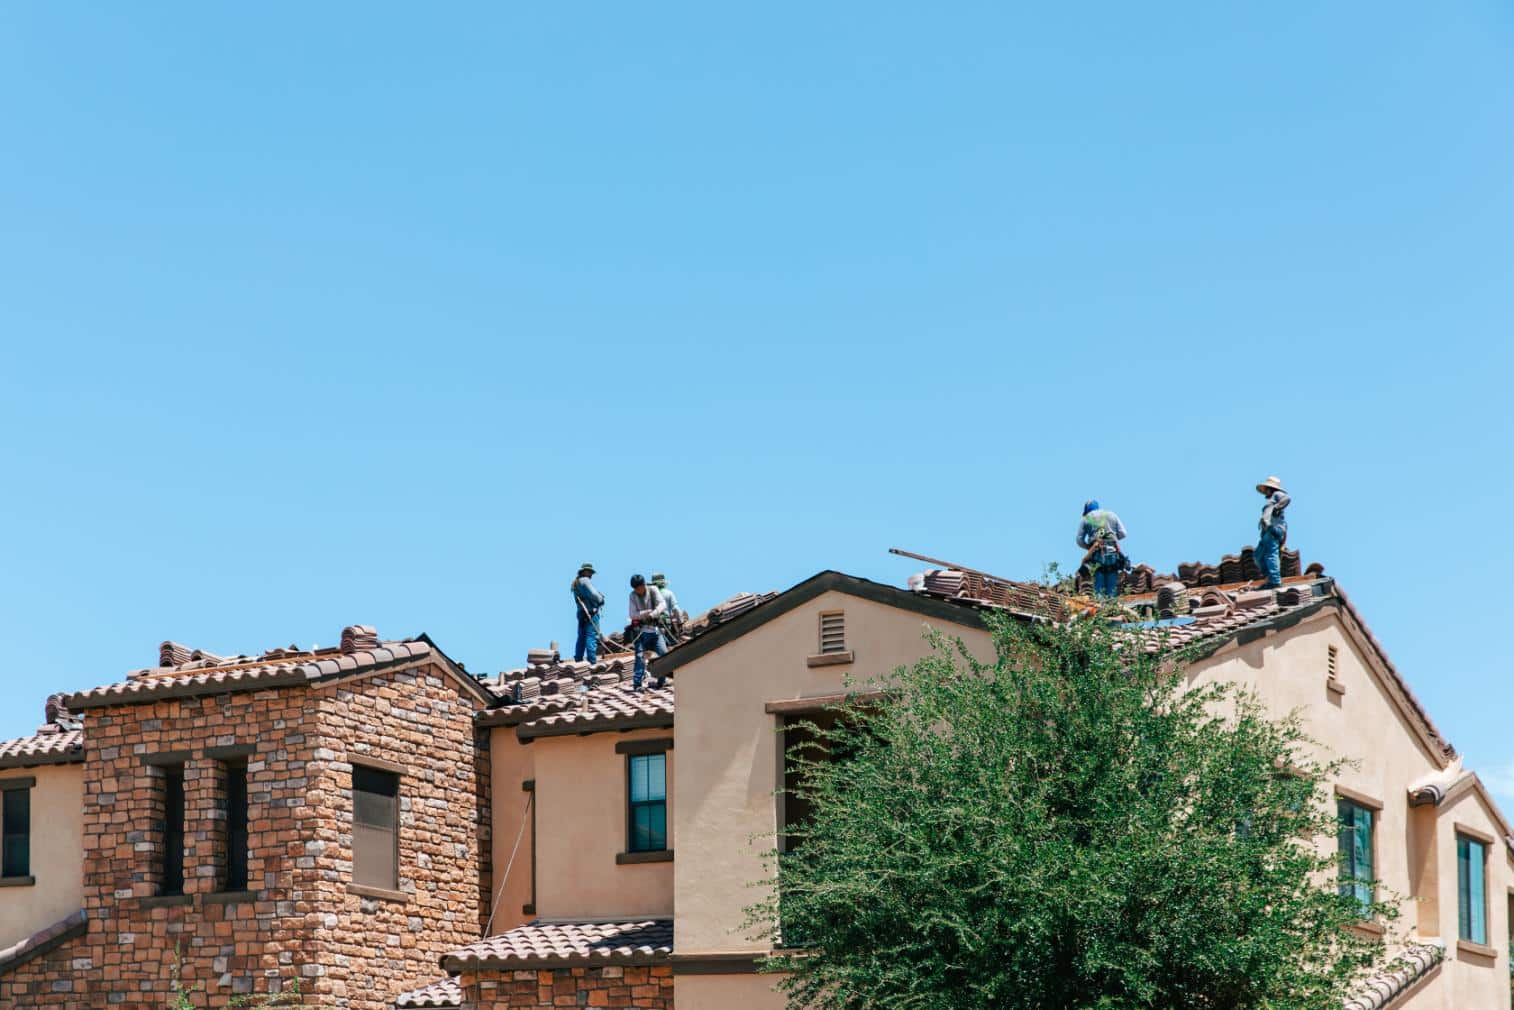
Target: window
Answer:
pixel 1471 889
pixel 1356 852
pixel 832 632
pixel 236 826
pixel 375 828
pixel 171 878
pixel 647 793
pixel 16 830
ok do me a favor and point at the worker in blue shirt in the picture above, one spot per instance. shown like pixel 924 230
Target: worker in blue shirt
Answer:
pixel 1100 534
pixel 1274 527
pixel 587 602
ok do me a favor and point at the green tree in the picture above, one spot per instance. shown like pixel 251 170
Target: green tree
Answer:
pixel 1068 827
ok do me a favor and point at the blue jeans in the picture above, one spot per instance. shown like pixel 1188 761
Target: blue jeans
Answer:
pixel 649 639
pixel 588 640
pixel 1268 549
pixel 1106 582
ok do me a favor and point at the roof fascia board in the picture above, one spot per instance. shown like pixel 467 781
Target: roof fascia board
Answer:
pixel 621 724
pixel 72 756
pixel 963 614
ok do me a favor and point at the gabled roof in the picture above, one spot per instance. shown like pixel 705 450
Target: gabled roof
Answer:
pixel 188 674
pixel 966 612
pixel 565 945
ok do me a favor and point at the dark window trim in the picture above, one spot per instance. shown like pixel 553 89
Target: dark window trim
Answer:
pixel 631 807
pixel 230 897
pixel 651 856
pixel 237 838
pixel 25 782
pixel 167 886
pixel 167 758
pixel 387 768
pixel 659 746
pixel 241 750
pixel 27 881
pixel 22 871
pixel 380 765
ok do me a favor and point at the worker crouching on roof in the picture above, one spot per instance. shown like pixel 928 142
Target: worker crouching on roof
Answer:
pixel 647 610
pixel 1100 534
pixel 1274 532
pixel 587 603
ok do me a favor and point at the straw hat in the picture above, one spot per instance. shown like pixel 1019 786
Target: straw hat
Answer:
pixel 1270 485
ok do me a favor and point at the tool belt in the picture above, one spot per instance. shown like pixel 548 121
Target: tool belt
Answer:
pixel 1105 553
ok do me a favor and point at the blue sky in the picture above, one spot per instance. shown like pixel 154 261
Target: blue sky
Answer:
pixel 321 315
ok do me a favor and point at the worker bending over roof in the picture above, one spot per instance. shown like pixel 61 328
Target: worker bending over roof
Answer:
pixel 647 610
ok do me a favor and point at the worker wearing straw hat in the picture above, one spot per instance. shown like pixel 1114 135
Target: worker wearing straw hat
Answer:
pixel 1274 531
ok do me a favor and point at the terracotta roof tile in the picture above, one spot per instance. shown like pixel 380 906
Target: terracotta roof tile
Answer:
pixel 48 746
pixel 446 993
pixel 1412 964
pixel 241 673
pixel 41 942
pixel 604 708
pixel 540 944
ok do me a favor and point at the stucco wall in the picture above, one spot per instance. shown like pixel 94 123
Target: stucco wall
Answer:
pixel 57 853
pixel 1415 846
pixel 730 772
pixel 581 827
pixel 514 763
pixel 723 992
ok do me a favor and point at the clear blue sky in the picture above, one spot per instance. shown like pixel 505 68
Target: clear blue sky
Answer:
pixel 323 314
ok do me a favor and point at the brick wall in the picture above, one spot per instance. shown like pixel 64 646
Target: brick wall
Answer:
pixel 300 920
pixel 625 987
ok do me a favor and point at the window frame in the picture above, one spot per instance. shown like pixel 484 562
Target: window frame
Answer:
pixel 632 804
pixel 171 876
pixel 21 787
pixel 1351 882
pixel 1464 920
pixel 236 854
pixel 391 772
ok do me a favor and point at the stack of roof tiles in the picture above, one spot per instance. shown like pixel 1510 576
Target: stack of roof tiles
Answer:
pixel 1019 597
pixel 1231 569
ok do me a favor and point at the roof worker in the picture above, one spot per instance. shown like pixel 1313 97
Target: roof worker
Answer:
pixel 673 620
pixel 1100 534
pixel 647 610
pixel 1274 532
pixel 587 602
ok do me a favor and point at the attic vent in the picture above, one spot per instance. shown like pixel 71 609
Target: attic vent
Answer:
pixel 1332 667
pixel 832 632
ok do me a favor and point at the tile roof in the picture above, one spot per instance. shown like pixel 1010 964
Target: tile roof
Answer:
pixel 50 745
pixel 1382 989
pixel 59 740
pixel 39 943
pixel 187 673
pixel 614 707
pixel 446 993
pixel 546 945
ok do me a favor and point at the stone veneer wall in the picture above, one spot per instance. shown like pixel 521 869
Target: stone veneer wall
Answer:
pixel 349 951
pixel 626 987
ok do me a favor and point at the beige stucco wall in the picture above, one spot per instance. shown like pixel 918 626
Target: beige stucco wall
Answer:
pixel 1415 846
pixel 511 764
pixel 57 853
pixel 581 827
pixel 726 992
pixel 731 756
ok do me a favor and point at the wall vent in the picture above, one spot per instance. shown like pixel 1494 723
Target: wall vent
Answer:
pixel 1331 661
pixel 832 632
